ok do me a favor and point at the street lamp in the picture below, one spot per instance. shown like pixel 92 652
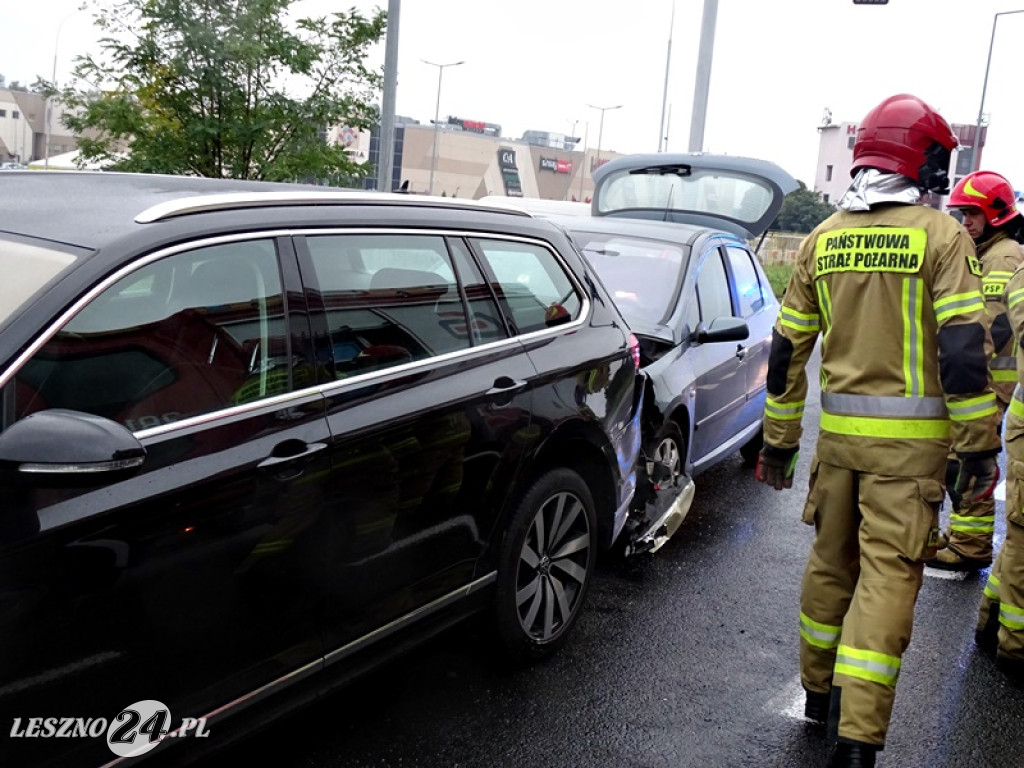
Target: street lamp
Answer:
pixel 583 161
pixel 437 109
pixel 976 158
pixel 53 81
pixel 600 129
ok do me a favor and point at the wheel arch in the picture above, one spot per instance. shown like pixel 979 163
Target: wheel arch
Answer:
pixel 584 449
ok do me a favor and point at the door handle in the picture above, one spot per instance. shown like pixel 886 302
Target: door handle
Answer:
pixel 741 351
pixel 287 453
pixel 506 385
pixel 504 388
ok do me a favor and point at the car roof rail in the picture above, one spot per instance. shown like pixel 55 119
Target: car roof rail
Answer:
pixel 185 206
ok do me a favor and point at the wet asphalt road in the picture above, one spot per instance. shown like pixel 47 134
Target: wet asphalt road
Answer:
pixel 687 657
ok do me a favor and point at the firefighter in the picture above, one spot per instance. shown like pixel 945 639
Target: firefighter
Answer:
pixel 1001 616
pixel 987 202
pixel 893 289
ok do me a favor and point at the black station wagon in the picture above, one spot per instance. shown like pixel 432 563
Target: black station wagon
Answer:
pixel 256 438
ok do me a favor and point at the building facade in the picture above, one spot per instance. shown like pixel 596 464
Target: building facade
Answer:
pixel 457 162
pixel 23 128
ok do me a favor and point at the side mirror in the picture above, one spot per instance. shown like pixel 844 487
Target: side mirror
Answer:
pixel 69 444
pixel 723 329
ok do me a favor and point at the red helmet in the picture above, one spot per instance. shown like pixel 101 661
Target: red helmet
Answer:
pixel 904 135
pixel 990 192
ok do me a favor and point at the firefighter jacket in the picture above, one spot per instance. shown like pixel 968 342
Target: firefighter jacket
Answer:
pixel 1015 311
pixel 895 294
pixel 1000 256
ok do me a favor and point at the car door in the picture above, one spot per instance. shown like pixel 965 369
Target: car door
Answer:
pixel 429 409
pixel 720 382
pixel 193 579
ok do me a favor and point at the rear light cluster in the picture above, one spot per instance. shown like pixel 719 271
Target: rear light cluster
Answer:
pixel 634 347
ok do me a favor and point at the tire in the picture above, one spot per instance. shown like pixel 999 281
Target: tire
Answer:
pixel 545 565
pixel 668 447
pixel 750 449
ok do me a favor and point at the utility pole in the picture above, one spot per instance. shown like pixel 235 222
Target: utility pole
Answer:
pixel 386 144
pixel 662 130
pixel 700 92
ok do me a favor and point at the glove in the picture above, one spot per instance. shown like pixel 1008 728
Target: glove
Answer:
pixel 976 480
pixel 775 467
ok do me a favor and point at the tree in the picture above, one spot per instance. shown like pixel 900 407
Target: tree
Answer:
pixel 802 210
pixel 224 88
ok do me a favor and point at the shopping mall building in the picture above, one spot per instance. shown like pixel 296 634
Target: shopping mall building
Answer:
pixel 472 159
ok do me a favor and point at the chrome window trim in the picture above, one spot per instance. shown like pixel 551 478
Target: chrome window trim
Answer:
pixel 124 271
pixel 276 402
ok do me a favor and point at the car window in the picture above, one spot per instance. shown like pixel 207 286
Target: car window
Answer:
pixel 192 333
pixel 532 284
pixel 485 318
pixel 748 287
pixel 390 299
pixel 734 194
pixel 28 269
pixel 713 288
pixel 642 275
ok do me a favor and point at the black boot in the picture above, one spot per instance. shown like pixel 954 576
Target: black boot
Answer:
pixel 1011 665
pixel 987 638
pixel 849 754
pixel 816 706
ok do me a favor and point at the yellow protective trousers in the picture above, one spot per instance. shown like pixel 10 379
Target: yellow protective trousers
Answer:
pixel 1003 598
pixel 872 536
pixel 971 526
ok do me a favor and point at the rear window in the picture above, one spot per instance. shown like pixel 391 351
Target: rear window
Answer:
pixel 28 269
pixel 732 195
pixel 643 276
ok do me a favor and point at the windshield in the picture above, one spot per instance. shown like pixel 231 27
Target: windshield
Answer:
pixel 643 276
pixel 27 270
pixel 733 195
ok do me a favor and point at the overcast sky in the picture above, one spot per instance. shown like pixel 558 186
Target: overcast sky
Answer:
pixel 778 64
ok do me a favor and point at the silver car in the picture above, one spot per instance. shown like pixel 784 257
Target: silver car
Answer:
pixel 669 237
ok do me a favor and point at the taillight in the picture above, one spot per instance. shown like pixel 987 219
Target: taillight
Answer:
pixel 634 347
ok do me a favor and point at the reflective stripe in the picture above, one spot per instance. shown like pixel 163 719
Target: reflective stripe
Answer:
pixel 866 426
pixel 1018 393
pixel 958 304
pixel 1017 407
pixel 992 588
pixel 882 405
pixel 817 634
pixel 994 283
pixel 1011 617
pixel 773 409
pixel 913 350
pixel 799 321
pixel 825 304
pixel 1015 298
pixel 1004 367
pixel 967 524
pixel 975 408
pixel 868 665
